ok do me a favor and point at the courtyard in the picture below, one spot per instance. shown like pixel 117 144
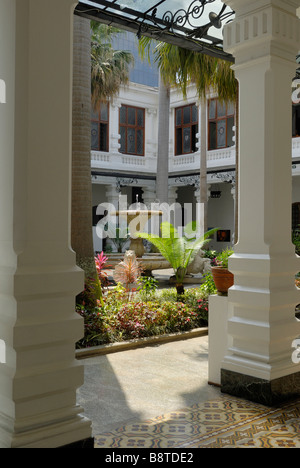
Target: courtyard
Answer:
pixel 151 147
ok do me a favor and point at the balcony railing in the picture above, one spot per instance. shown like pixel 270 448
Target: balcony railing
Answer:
pixel 220 158
pixel 123 162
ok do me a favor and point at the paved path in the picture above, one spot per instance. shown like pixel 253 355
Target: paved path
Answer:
pixel 140 384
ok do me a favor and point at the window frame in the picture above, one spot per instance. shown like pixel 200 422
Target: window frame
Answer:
pixel 100 122
pixel 217 119
pixel 182 126
pixel 136 127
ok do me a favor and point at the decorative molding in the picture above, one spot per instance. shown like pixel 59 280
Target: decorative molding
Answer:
pixel 123 182
pixel 227 177
pixel 192 180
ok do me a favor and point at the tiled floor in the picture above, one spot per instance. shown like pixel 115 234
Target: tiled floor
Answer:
pixel 135 400
pixel 224 423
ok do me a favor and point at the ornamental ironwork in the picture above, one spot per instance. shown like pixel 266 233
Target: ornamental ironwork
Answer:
pixel 187 18
pixel 196 26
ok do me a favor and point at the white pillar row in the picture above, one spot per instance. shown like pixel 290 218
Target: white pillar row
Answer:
pixel 264 39
pixel 39 375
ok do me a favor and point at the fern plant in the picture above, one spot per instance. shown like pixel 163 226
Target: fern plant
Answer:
pixel 179 251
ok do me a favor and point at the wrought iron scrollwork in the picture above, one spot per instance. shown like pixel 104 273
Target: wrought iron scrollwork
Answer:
pixel 186 21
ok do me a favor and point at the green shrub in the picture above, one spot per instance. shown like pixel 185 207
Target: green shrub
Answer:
pixel 149 313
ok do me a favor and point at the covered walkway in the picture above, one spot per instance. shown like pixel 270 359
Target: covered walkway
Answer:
pixel 158 397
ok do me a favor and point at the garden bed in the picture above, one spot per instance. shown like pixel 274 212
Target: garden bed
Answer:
pixel 134 316
pixel 139 343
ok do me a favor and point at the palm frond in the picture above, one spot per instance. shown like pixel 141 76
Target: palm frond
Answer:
pixel 110 68
pixel 180 67
pixel 178 251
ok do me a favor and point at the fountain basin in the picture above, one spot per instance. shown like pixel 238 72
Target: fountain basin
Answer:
pixel 149 262
pixel 136 221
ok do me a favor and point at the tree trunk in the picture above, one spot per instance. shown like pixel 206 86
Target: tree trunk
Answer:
pixel 162 177
pixel 81 222
pixel 203 162
pixel 180 292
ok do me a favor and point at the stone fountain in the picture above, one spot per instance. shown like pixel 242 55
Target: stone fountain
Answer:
pixel 137 219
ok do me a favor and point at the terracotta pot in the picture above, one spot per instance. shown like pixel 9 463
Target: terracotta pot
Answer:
pixel 223 279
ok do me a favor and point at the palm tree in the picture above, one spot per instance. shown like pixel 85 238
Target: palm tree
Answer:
pixel 180 67
pixel 180 252
pixel 109 69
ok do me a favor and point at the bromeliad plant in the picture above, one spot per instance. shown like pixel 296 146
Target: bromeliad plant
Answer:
pixel 128 271
pixel 179 251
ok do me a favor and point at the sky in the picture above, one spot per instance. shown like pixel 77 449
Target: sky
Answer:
pixel 174 6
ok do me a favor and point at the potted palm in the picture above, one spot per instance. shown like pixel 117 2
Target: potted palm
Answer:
pixel 223 278
pixel 179 251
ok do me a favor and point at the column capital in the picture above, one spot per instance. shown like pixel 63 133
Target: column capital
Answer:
pixel 263 28
pixel 242 6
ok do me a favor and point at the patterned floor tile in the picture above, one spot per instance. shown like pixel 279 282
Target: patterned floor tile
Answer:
pixel 226 422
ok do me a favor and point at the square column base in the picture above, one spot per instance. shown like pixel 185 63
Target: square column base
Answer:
pixel 261 391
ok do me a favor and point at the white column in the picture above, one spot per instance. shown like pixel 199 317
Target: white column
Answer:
pixel 151 132
pixel 113 196
pixel 264 38
pixel 114 142
pixel 172 197
pixel 39 277
pixel 149 195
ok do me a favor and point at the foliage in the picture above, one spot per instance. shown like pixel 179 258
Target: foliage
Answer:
pixel 92 295
pixel 296 240
pixel 211 254
pixel 223 257
pixel 120 319
pixel 128 271
pixel 208 288
pixel 148 286
pixel 119 237
pixel 180 67
pixel 110 68
pixel 178 251
pixel 100 261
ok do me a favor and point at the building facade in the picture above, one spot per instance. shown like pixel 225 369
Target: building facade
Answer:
pixel 125 146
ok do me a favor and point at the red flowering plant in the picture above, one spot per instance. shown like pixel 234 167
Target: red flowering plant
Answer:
pixel 203 308
pixel 178 317
pixel 91 288
pixel 100 261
